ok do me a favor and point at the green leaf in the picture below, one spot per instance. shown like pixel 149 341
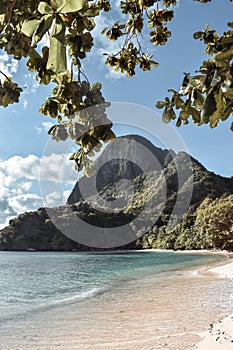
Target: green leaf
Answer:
pixel 226 112
pixel 185 113
pixel 215 119
pixel 43 27
pixel 219 109
pixel 178 123
pixel 57 3
pixel 73 157
pixel 205 118
pixel 52 129
pixel 104 30
pixel 109 136
pixel 71 6
pixel 92 12
pixel 199 100
pixel 59 30
pixel 29 27
pixel 57 53
pixel 44 8
pixel 229 93
pixel 172 114
pixel 161 104
pixel 209 107
pixel 230 24
pixel 154 63
pixel 178 102
pixel 195 115
pixel 33 54
pixel 96 86
pixel 167 115
pixel 226 55
pixel 197 35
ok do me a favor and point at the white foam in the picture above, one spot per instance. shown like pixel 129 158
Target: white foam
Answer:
pixel 74 298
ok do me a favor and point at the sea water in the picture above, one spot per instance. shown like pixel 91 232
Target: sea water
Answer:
pixel 35 284
pixel 35 281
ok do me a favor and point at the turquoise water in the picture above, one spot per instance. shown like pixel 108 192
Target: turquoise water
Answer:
pixel 34 282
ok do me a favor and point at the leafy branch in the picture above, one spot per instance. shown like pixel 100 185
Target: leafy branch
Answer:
pixel 208 96
pixel 78 106
pixel 131 54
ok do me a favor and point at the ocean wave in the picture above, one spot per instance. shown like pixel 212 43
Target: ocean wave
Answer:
pixel 53 304
pixel 75 298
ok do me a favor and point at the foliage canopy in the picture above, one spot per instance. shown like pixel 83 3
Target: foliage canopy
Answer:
pixel 210 226
pixel 55 36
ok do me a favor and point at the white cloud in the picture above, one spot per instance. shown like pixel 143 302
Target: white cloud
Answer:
pixel 30 83
pixel 25 202
pixel 45 126
pixel 54 199
pixel 66 194
pixel 26 186
pixel 25 103
pixel 20 167
pixel 112 74
pixel 6 212
pixel 55 168
pixel 19 176
pixel 101 43
pixel 8 65
pixel 14 196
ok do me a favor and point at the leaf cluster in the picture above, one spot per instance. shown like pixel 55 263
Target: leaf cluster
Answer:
pixel 210 226
pixel 65 26
pixel 214 222
pixel 80 109
pixel 208 96
pixel 128 59
pixel 143 18
pixel 9 92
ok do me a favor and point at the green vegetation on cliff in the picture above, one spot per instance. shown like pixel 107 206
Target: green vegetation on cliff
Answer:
pixel 210 226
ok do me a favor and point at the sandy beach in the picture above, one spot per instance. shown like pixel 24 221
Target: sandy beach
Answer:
pixel 220 334
pixel 165 312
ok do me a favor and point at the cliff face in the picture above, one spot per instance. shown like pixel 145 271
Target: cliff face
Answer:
pixel 125 158
pixel 130 171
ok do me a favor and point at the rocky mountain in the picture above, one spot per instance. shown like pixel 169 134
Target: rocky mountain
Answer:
pixel 125 158
pixel 139 197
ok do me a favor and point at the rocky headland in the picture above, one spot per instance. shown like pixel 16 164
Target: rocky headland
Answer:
pixel 183 205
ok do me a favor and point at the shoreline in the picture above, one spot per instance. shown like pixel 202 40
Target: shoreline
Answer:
pixel 218 337
pixel 138 314
pixel 199 251
pixel 158 250
pixel 220 333
pixel 153 250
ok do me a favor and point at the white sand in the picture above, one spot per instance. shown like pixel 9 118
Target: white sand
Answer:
pixel 225 271
pixel 220 335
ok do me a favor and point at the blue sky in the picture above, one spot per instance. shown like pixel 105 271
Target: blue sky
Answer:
pixel 23 136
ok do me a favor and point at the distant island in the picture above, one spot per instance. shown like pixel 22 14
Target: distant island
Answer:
pixel 207 223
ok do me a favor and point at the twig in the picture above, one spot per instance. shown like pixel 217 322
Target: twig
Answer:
pixel 5 76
